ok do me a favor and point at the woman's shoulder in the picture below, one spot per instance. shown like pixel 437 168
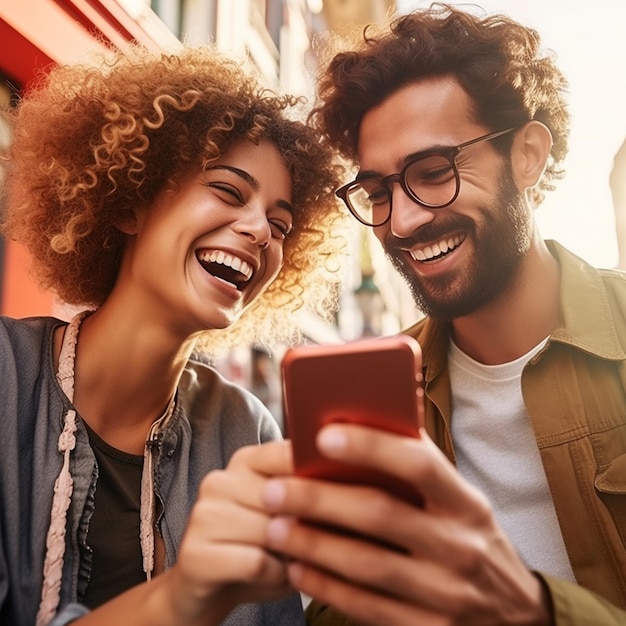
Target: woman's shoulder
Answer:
pixel 27 330
pixel 209 397
pixel 201 379
pixel 26 339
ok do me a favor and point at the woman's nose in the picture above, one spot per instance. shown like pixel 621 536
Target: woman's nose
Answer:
pixel 254 226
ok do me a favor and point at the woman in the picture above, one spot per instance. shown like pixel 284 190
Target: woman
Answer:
pixel 176 202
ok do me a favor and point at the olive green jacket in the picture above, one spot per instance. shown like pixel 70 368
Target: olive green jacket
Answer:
pixel 575 393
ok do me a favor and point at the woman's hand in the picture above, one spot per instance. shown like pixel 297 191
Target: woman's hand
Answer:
pixel 223 560
pixel 451 564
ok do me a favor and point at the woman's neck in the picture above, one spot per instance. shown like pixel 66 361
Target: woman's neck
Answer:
pixel 125 375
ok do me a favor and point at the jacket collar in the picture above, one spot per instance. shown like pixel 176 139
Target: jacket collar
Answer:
pixel 586 319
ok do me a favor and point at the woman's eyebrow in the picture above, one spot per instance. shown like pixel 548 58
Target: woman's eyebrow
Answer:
pixel 283 204
pixel 253 182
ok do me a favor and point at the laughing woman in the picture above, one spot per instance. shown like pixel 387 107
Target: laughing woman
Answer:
pixel 178 203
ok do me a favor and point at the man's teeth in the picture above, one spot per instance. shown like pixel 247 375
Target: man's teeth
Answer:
pixel 224 258
pixel 430 252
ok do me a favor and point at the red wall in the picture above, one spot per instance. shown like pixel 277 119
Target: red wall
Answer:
pixel 33 35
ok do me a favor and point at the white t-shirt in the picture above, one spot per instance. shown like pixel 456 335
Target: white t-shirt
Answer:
pixel 496 451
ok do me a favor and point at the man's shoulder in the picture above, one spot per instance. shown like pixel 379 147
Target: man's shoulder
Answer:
pixel 614 282
pixel 586 281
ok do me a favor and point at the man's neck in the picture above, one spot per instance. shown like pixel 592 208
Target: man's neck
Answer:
pixel 521 317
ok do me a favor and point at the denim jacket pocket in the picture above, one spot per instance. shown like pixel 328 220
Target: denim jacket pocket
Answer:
pixel 611 485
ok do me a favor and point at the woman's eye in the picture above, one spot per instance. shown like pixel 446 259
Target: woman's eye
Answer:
pixel 280 229
pixel 227 192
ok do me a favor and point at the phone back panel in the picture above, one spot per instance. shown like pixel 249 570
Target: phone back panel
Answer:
pixel 375 382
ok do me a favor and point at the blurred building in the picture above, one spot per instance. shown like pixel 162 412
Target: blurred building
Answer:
pixel 278 36
pixel 33 35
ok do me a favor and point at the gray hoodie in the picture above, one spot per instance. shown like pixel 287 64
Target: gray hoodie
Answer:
pixel 212 419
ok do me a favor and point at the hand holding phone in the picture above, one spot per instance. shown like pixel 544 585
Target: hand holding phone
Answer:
pixel 373 382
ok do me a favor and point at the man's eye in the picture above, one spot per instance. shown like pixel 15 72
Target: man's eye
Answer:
pixel 372 192
pixel 379 197
pixel 280 229
pixel 438 175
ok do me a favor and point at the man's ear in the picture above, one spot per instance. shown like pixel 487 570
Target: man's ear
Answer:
pixel 530 152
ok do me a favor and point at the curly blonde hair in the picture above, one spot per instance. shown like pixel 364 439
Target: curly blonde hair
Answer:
pixel 94 141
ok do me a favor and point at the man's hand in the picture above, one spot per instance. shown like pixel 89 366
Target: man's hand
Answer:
pixel 453 564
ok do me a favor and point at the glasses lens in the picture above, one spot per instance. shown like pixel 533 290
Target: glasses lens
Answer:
pixel 369 201
pixel 432 180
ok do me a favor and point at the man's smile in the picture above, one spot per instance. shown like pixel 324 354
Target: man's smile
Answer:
pixel 436 250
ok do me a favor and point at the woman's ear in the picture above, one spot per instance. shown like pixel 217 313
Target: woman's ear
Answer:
pixel 128 224
pixel 530 152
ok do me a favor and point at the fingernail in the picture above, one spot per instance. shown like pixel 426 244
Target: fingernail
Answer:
pixel 331 440
pixel 278 531
pixel 274 493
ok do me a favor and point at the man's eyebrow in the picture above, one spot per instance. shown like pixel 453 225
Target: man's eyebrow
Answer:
pixel 406 159
pixel 251 180
pixel 367 174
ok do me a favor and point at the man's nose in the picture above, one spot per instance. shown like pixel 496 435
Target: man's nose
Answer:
pixel 407 215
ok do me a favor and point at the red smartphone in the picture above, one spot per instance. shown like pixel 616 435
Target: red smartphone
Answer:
pixel 375 382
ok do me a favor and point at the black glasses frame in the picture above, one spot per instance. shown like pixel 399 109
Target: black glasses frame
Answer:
pixel 450 154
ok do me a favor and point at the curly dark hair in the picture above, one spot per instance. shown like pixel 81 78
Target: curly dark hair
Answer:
pixel 94 141
pixel 496 60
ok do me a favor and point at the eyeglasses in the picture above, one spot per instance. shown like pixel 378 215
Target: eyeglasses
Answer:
pixel 430 178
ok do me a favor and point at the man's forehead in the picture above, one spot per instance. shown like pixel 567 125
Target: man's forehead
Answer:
pixel 431 113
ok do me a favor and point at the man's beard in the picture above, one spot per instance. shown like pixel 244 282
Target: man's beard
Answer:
pixel 500 247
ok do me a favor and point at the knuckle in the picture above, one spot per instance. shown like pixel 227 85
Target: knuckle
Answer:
pixel 241 456
pixel 212 481
pixel 475 554
pixel 381 508
pixel 255 566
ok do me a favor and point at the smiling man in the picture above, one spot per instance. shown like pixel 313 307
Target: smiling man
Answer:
pixel 457 125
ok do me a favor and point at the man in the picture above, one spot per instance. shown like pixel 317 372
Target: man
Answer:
pixel 617 183
pixel 457 125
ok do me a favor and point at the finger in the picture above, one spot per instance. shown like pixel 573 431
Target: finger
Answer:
pixel 243 487
pixel 247 472
pixel 226 521
pixel 363 605
pixel 371 565
pixel 383 519
pixel 221 563
pixel 417 461
pixel 270 459
pixel 388 519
